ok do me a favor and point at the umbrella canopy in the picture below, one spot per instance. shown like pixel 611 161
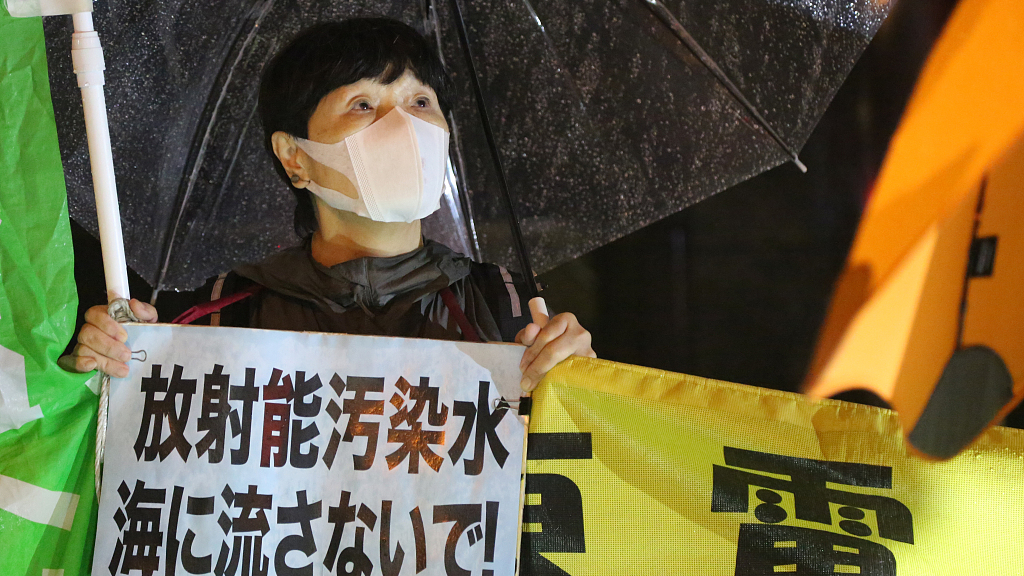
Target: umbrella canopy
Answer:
pixel 929 312
pixel 604 119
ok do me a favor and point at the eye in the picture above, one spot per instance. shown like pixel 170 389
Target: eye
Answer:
pixel 362 105
pixel 423 102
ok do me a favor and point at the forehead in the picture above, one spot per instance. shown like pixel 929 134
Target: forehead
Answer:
pixel 406 83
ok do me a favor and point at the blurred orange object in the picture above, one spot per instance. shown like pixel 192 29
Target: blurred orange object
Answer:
pixel 929 312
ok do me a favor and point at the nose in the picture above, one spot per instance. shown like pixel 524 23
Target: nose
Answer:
pixel 383 108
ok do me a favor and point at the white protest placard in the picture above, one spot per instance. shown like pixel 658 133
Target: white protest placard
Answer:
pixel 257 452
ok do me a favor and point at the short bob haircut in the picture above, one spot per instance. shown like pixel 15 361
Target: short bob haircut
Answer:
pixel 328 56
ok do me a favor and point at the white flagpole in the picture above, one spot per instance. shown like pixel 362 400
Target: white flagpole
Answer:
pixel 87 56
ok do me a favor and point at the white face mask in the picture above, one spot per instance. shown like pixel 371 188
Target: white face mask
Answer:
pixel 397 165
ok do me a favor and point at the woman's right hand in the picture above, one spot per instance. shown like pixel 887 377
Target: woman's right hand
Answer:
pixel 101 342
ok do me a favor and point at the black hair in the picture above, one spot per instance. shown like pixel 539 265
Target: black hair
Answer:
pixel 328 56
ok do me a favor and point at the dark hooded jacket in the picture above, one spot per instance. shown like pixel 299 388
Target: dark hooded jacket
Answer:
pixel 394 296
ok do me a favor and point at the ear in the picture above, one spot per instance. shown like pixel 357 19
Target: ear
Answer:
pixel 288 153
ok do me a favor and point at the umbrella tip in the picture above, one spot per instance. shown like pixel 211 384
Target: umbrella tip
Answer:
pixel 799 164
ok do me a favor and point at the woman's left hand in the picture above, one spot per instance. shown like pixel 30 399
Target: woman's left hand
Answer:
pixel 561 337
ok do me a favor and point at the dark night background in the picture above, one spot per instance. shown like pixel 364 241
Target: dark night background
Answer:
pixel 735 287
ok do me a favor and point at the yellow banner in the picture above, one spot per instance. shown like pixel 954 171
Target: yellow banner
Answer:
pixel 638 471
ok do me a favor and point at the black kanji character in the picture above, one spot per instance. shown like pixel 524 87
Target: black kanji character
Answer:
pixel 242 426
pixel 171 557
pixel 276 419
pixel 423 396
pixel 138 546
pixel 156 410
pixel 213 414
pixel 556 522
pixel 807 483
pixel 357 407
pixel 303 514
pixel 486 423
pixel 414 440
pixel 334 410
pixel 248 528
pixel 304 408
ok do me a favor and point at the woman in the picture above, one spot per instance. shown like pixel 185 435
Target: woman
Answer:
pixel 354 114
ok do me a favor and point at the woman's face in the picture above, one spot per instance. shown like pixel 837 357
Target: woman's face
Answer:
pixel 351 108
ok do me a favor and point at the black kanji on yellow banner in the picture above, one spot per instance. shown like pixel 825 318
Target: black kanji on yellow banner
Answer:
pixel 638 471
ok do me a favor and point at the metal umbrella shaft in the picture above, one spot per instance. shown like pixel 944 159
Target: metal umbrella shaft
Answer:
pixel 510 208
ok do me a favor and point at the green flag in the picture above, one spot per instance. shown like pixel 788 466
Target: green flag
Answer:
pixel 47 416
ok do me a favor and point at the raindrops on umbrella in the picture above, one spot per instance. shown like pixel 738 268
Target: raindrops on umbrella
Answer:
pixel 603 118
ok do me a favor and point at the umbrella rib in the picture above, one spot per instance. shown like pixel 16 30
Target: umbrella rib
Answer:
pixel 558 64
pixel 239 142
pixel 517 233
pixel 673 24
pixel 459 167
pixel 169 247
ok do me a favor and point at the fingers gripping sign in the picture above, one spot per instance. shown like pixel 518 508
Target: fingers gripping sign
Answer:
pixel 101 342
pixel 549 342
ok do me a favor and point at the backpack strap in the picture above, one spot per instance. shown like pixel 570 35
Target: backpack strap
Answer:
pixel 509 293
pixel 215 305
pixel 215 294
pixel 452 304
pixel 515 303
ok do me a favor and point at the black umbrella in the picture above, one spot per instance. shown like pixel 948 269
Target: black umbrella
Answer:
pixel 605 114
